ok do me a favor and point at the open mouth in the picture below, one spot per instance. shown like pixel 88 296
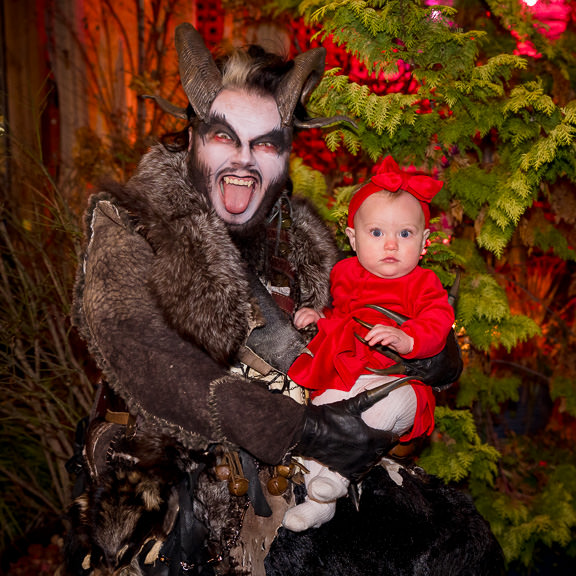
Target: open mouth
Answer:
pixel 237 193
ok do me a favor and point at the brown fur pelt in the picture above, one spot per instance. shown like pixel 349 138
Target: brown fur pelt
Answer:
pixel 198 278
pixel 313 253
pixel 119 524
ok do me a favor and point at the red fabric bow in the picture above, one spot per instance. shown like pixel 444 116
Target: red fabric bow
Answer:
pixel 390 177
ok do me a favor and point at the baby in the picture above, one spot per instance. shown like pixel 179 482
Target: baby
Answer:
pixel 387 228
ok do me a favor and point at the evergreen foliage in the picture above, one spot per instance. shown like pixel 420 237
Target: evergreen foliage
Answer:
pixel 459 452
pixel 477 386
pixel 499 129
pixel 311 184
pixel 563 388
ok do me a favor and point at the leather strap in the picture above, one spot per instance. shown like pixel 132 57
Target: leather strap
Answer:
pixel 123 418
pixel 250 358
pixel 118 417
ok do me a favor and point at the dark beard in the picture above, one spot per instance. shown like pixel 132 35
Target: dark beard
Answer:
pixel 199 177
pixel 257 223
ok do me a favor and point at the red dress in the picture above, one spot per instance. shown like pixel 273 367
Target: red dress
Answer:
pixel 340 358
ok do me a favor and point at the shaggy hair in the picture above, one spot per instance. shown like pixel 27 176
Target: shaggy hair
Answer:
pixel 421 528
pixel 122 523
pixel 253 69
pixel 198 278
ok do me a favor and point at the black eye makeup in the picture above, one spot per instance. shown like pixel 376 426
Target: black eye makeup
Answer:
pixel 278 139
pixel 216 124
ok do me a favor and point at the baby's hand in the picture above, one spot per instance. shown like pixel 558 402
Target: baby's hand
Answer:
pixel 305 316
pixel 395 338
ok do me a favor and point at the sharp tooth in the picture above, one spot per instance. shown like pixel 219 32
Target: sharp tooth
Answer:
pixel 237 181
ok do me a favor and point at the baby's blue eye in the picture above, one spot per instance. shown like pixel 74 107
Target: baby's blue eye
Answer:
pixel 405 234
pixel 376 232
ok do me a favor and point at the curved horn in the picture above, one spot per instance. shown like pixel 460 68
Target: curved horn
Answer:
pixel 323 122
pixel 300 82
pixel 168 107
pixel 200 77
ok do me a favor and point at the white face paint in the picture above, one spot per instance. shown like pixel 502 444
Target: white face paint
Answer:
pixel 242 149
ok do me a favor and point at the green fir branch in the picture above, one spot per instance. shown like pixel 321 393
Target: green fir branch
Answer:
pixel 311 184
pixel 562 388
pixel 458 452
pixel 477 386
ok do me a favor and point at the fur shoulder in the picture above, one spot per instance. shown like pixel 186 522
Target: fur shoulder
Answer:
pixel 313 254
pixel 197 277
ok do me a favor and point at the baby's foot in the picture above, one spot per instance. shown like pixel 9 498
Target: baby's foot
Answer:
pixel 309 514
pixel 327 488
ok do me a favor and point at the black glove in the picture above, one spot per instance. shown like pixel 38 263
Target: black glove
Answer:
pixel 335 435
pixel 277 342
pixel 438 371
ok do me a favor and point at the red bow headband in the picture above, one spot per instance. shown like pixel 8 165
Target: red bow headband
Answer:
pixel 390 177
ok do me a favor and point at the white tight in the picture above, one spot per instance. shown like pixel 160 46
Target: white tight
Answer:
pixel 396 413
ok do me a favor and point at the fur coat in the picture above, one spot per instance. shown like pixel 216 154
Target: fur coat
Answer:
pixel 165 299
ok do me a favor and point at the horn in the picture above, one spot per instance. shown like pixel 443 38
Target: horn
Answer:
pixel 168 107
pixel 300 82
pixel 323 122
pixel 200 77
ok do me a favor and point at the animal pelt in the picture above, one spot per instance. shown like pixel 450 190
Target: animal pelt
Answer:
pixel 421 528
pixel 121 523
pixel 197 277
pixel 313 254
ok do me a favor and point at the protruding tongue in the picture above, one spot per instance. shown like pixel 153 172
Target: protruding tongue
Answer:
pixel 236 197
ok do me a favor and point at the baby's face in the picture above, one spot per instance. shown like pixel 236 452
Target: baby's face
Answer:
pixel 389 234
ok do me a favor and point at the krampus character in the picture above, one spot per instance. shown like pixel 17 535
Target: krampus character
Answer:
pixel 190 273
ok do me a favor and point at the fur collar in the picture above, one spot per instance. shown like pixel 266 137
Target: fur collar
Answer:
pixel 198 277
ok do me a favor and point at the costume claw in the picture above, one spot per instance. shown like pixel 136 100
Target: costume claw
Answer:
pixel 369 398
pixel 363 323
pixel 396 316
pixel 382 349
pixel 380 392
pixel 354 495
pixel 398 366
pixel 439 371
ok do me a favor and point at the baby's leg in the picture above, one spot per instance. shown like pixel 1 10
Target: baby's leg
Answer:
pixel 311 513
pixel 323 488
pixel 396 412
pixel 328 485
